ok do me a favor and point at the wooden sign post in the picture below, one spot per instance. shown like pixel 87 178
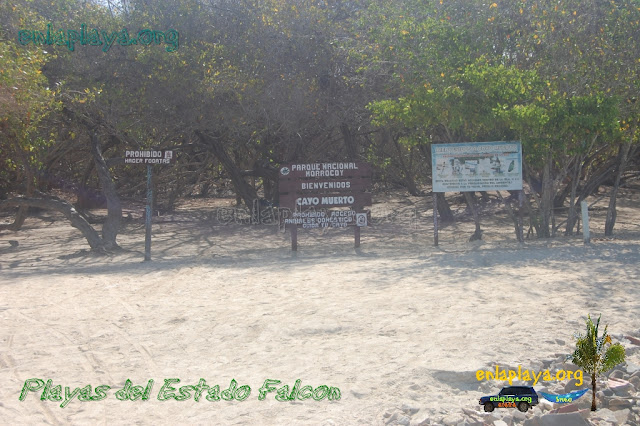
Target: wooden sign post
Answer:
pixel 308 192
pixel 148 157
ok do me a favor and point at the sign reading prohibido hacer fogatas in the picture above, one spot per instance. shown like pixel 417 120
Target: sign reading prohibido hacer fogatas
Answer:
pixel 313 193
pixel 149 156
pixel 477 166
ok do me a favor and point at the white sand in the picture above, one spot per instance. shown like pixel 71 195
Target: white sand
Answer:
pixel 397 322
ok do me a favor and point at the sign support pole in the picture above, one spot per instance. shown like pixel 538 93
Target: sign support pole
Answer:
pixel 356 234
pixel 147 221
pixel 520 221
pixel 294 238
pixel 435 218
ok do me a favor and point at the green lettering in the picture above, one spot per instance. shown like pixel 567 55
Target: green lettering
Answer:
pixel 55 394
pixel 72 36
pixel 101 393
pixel 302 396
pixel 145 37
pixel 282 394
pixel 24 37
pixel 202 385
pixel 242 393
pixel 30 385
pixel 123 394
pixel 85 394
pixel 123 39
pixel 266 388
pixel 173 38
pixel 214 393
pixel 227 394
pixel 166 388
pixel 334 394
pixel 184 393
pixel 320 396
pixel 109 40
pixel 69 396
pixel 60 38
pixel 39 38
pixel 94 38
pixel 136 393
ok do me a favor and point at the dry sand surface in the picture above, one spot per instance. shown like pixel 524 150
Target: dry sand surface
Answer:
pixel 397 323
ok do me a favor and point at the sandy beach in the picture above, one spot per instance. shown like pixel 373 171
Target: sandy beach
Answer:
pixel 399 326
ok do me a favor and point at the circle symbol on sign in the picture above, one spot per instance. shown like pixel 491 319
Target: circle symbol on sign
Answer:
pixel 284 171
pixel 361 219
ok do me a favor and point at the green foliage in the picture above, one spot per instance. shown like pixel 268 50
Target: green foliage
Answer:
pixel 277 79
pixel 25 102
pixel 591 352
pixel 595 353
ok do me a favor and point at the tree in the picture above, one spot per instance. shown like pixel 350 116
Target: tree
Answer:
pixel 559 76
pixel 25 102
pixel 593 356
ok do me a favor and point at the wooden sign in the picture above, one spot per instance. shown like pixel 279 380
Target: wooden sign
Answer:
pixel 307 191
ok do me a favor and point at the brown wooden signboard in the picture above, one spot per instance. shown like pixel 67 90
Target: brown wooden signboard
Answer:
pixel 307 191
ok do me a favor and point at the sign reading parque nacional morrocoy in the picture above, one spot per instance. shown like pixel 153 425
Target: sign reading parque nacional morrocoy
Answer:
pixel 309 190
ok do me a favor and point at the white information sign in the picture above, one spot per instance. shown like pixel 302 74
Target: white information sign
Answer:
pixel 149 156
pixel 477 166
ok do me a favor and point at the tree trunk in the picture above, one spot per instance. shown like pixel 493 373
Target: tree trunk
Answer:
pixel 54 203
pixel 111 226
pixel 23 211
pixel 623 157
pixel 469 197
pixel 407 174
pixel 546 198
pixel 245 191
pixel 444 210
pixel 512 214
pixel 349 142
pixel 575 180
pixel 593 392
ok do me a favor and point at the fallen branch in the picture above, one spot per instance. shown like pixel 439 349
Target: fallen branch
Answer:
pixel 53 203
